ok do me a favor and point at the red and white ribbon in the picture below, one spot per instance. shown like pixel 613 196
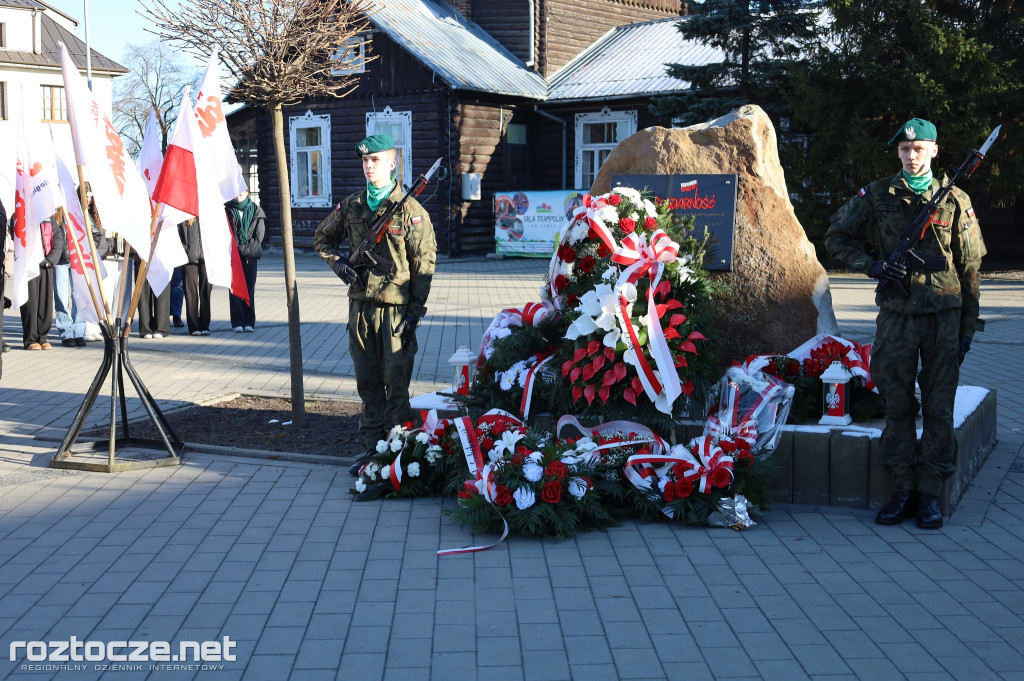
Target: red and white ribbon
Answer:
pixel 483 474
pixel 641 257
pixel 531 377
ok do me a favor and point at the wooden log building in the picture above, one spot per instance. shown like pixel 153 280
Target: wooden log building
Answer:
pixel 511 94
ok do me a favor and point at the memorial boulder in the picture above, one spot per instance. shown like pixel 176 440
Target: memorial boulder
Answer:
pixel 778 291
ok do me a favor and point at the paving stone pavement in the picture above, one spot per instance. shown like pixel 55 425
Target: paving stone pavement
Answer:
pixel 275 556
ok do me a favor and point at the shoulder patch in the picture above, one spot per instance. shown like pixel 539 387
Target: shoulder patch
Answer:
pixel 862 192
pixel 417 219
pixel 970 212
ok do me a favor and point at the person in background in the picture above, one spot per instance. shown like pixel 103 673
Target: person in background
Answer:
pixel 104 247
pixel 69 326
pixel 197 286
pixel 154 311
pixel 37 312
pixel 248 225
pixel 177 297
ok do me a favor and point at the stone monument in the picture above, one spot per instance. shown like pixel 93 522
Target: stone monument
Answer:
pixel 779 293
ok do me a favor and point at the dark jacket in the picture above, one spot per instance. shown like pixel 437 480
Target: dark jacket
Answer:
pixel 60 243
pixel 253 248
pixel 188 231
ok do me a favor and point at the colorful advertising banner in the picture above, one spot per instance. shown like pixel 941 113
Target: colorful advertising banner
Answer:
pixel 529 223
pixel 710 199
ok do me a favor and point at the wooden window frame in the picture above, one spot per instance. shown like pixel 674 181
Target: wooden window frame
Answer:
pixel 356 63
pixel 296 123
pixel 50 104
pixel 605 115
pixel 403 118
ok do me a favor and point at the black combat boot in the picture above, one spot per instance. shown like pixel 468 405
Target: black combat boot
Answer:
pixel 902 505
pixel 363 459
pixel 929 515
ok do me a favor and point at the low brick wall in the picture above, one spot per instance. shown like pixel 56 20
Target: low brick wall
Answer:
pixel 838 467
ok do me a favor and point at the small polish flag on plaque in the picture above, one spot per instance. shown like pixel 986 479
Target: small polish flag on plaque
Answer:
pixel 687 186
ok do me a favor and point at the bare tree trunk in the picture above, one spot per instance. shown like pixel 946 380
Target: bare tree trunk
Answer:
pixel 291 288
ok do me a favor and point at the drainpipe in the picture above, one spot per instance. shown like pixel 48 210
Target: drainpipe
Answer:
pixel 529 4
pixel 37 32
pixel 565 142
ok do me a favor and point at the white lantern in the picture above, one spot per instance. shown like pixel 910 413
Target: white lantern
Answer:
pixel 835 407
pixel 463 364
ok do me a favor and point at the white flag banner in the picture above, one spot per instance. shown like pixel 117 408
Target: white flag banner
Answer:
pixel 118 189
pixel 218 150
pixel 83 266
pixel 36 198
pixel 169 252
pixel 150 156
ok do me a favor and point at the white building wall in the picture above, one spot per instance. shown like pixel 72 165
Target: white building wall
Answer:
pixel 23 91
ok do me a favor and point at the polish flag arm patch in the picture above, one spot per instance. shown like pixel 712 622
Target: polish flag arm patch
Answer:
pixel 970 212
pixel 417 219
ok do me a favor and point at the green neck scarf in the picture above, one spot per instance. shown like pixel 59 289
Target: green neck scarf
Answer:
pixel 918 184
pixel 241 213
pixel 374 195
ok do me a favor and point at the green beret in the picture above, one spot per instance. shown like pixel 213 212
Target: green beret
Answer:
pixel 373 144
pixel 913 130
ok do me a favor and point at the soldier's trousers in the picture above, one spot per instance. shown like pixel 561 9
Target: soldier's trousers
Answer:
pixel 383 368
pixel 900 341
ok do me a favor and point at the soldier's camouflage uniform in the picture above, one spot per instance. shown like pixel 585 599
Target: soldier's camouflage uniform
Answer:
pixel 378 304
pixel 942 307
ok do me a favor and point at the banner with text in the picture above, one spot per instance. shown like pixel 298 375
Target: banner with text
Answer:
pixel 529 223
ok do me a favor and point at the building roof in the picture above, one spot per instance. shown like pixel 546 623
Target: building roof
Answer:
pixel 52 32
pixel 630 61
pixel 456 49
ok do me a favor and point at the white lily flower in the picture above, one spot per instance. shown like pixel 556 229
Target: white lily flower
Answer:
pixel 525 498
pixel 507 443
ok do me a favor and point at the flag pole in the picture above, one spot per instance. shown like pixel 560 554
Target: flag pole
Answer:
pixel 105 311
pixel 66 219
pixel 154 234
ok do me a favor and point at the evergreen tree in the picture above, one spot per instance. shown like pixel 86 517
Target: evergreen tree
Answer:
pixel 761 42
pixel 956 63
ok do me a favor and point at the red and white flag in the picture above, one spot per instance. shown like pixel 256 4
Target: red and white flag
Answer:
pixel 186 182
pixel 36 198
pixel 83 267
pixel 223 264
pixel 118 189
pixel 169 252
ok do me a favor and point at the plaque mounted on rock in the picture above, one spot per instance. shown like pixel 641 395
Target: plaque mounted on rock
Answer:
pixel 710 199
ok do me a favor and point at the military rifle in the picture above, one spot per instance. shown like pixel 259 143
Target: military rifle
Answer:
pixel 904 254
pixel 363 256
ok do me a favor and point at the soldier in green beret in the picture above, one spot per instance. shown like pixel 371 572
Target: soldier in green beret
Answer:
pixel 925 336
pixel 383 310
